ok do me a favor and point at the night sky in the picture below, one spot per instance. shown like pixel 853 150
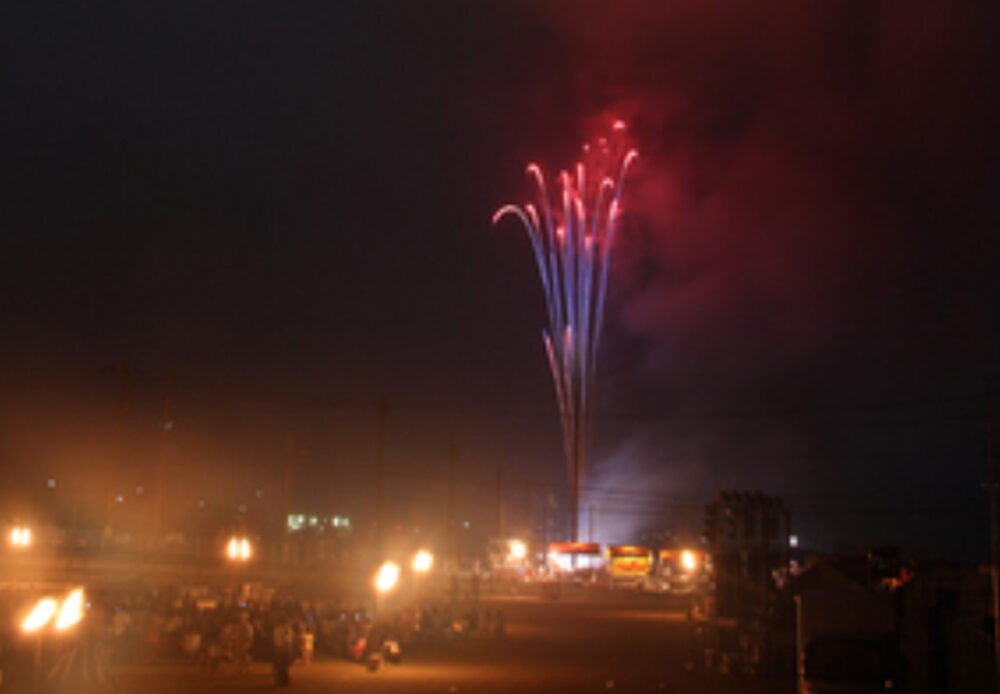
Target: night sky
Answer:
pixel 286 208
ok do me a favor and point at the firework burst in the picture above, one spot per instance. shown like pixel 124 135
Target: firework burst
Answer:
pixel 572 234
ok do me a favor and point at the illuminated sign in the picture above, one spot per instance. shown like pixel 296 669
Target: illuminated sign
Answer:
pixel 592 548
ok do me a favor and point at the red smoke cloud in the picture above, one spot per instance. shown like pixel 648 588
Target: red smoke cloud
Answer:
pixel 798 161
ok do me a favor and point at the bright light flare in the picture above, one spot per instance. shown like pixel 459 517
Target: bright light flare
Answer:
pixel 239 549
pixel 71 611
pixel 560 562
pixel 387 577
pixel 423 561
pixel 689 561
pixel 518 549
pixel 40 615
pixel 20 536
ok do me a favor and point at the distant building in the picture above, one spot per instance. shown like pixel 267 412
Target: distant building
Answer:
pixel 302 522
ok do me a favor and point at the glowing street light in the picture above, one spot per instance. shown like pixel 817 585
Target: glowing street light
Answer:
pixel 387 577
pixel 423 560
pixel 67 615
pixel 71 611
pixel 239 549
pixel 40 615
pixel 518 549
pixel 689 561
pixel 20 536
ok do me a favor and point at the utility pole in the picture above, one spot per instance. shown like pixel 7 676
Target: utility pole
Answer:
pixel 500 502
pixel 293 452
pixel 529 521
pixel 787 540
pixel 766 517
pixel 166 426
pixel 994 537
pixel 545 524
pixel 287 478
pixel 450 509
pixel 381 409
pixel 590 523
pixel 574 501
pixel 121 410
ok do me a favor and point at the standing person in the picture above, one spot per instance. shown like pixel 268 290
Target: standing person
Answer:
pixel 243 642
pixel 283 638
pixel 453 591
pixel 474 590
pixel 499 625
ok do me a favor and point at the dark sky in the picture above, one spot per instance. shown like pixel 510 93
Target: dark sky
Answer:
pixel 286 206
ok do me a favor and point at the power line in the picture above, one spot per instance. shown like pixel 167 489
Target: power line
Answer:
pixel 823 410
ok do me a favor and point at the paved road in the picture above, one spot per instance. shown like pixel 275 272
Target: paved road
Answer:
pixel 594 642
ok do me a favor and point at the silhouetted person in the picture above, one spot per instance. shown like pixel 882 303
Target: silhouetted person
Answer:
pixel 283 638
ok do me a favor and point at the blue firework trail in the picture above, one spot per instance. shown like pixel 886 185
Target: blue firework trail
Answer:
pixel 572 239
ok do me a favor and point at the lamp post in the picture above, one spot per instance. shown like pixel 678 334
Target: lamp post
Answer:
pixel 20 537
pixel 39 616
pixel 239 551
pixel 423 562
pixel 386 580
pixel 518 550
pixel 67 615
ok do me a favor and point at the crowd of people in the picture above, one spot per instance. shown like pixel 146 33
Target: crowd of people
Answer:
pixel 230 628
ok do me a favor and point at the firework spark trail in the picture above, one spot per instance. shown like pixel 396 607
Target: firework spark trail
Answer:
pixel 571 242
